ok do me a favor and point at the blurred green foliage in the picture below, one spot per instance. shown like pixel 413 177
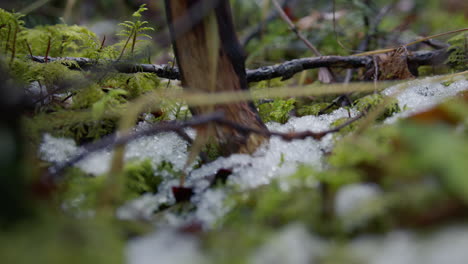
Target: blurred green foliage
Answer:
pixel 418 167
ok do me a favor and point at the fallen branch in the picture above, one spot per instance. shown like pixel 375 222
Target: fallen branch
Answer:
pixel 284 70
pixel 112 141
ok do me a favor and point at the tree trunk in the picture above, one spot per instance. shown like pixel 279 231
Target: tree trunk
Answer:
pixel 210 59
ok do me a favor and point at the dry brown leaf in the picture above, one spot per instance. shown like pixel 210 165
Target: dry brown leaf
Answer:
pixel 394 65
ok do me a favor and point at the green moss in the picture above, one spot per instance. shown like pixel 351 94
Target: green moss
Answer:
pixel 64 40
pixel 87 97
pixel 457 59
pixel 57 239
pixel 276 111
pixel 276 82
pixel 81 191
pixel 78 125
pixel 370 102
pixel 369 148
pixel 314 109
pixel 140 177
pixel 347 129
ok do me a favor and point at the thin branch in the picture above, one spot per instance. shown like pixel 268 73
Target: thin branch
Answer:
pixel 284 70
pixel 46 58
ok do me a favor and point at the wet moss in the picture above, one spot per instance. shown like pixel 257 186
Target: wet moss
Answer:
pixel 370 102
pixel 276 111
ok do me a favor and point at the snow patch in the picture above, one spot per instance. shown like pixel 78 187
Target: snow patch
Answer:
pixel 158 148
pixel 419 95
pixel 165 246
pixel 447 245
pixel 276 159
pixel 292 245
pixel 353 196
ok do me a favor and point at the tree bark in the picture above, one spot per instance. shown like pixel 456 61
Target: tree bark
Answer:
pixel 192 37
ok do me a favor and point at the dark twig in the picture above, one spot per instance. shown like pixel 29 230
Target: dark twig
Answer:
pixel 46 58
pixel 29 49
pixel 284 70
pixel 102 43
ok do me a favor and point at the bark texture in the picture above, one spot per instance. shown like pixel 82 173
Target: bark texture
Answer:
pixel 190 37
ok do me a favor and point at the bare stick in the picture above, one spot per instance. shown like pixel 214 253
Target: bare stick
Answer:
pixel 284 70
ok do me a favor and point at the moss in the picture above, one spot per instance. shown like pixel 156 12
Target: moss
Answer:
pixel 78 125
pixel 314 109
pixel 276 111
pixel 140 177
pixel 276 82
pixel 63 40
pixel 81 190
pixel 370 102
pixel 457 59
pixel 347 129
pixel 57 239
pixel 135 84
pixel 371 147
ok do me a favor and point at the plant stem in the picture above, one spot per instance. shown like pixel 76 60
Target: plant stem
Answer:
pixel 46 59
pixel 13 48
pixel 8 39
pixel 125 46
pixel 134 40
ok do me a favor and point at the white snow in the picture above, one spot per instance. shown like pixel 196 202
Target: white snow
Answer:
pixel 161 147
pixel 422 94
pixel 165 246
pixel 447 245
pixel 293 245
pixel 57 150
pixel 352 196
pixel 276 159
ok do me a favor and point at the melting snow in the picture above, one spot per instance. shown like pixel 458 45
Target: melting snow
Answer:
pixel 422 94
pixel 166 246
pixel 161 147
pixel 447 245
pixel 275 159
pixel 292 245
pixel 353 196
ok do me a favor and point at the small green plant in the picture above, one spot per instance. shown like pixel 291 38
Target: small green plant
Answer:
pixel 10 26
pixel 132 30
